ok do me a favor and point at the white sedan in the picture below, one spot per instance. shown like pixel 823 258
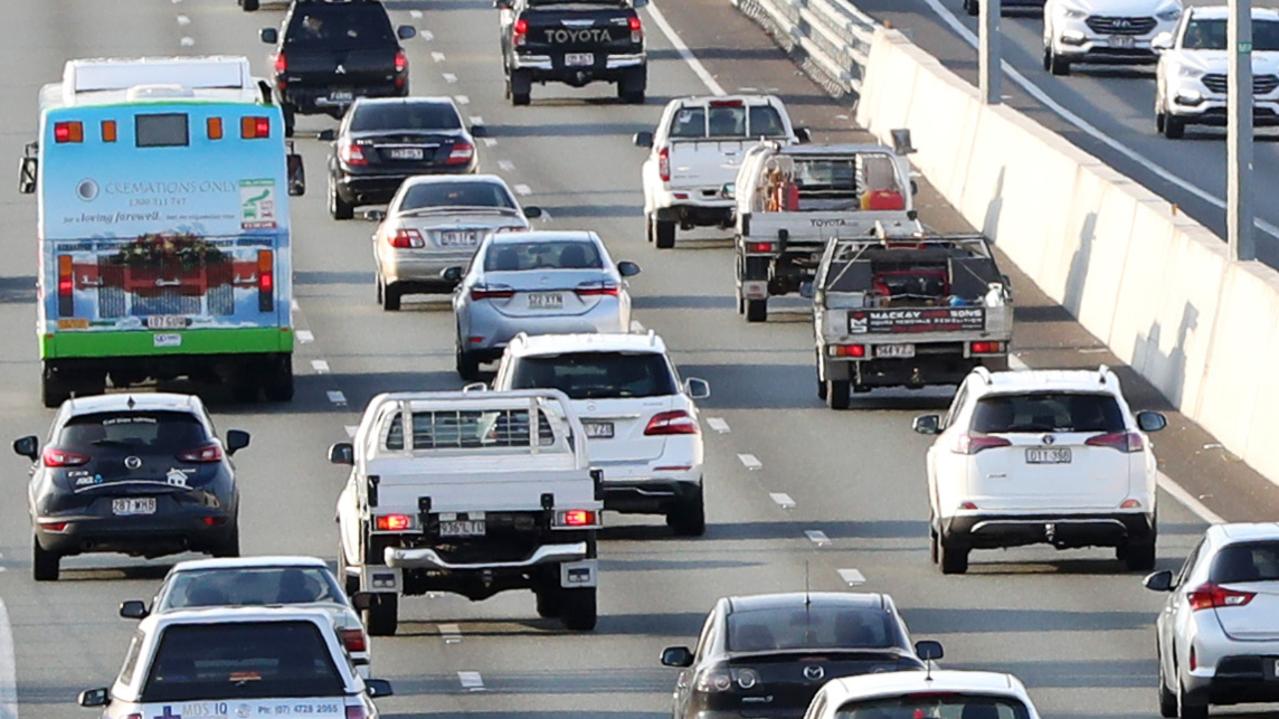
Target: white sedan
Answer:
pixel 905 695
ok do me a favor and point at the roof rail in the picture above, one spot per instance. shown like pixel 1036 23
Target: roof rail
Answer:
pixel 652 338
pixel 1103 372
pixel 985 374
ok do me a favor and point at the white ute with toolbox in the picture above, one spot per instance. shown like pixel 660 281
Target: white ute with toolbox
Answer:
pixel 485 492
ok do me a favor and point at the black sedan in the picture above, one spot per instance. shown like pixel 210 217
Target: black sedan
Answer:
pixel 767 655
pixel 143 475
pixel 382 142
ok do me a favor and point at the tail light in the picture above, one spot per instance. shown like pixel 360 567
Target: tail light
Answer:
pixel 68 131
pixel 66 286
pixel 674 422
pixel 133 716
pixel 266 281
pixel 760 247
pixel 255 127
pixel 54 457
pixel 985 348
pixel 1130 504
pixel 281 67
pixel 401 69
pixel 461 154
pixel 1215 596
pixel 1127 442
pixel 352 154
pixel 854 351
pixel 720 679
pixel 597 289
pixel 353 640
pixel 491 292
pixel 974 442
pixel 393 522
pixel 637 30
pixel 407 239
pixel 576 518
pixel 519 33
pixel 356 712
pixel 202 455
pixel 664 163
pixel 968 505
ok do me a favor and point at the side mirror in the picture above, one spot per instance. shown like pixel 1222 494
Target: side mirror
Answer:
pixel 269 35
pixel 95 697
pixel 362 600
pixel 697 388
pixel 451 274
pixel 1162 41
pixel 28 447
pixel 406 32
pixel 626 268
pixel 803 134
pixel 378 688
pixel 532 213
pixel 728 191
pixel 479 131
pixel 927 424
pixel 342 453
pixel 236 440
pixel 375 215
pixel 133 609
pixel 644 138
pixel 677 657
pixel 28 167
pixel 929 650
pixel 901 141
pixel 1151 421
pixel 297 175
pixel 1159 581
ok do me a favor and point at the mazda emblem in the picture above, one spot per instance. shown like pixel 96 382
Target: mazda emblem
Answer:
pixel 1048 439
pixel 813 672
pixel 339 70
pixel 132 462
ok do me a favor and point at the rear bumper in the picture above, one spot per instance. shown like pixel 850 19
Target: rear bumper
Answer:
pixel 157 535
pixel 421 274
pixel 1105 529
pixel 1239 679
pixel 496 329
pixel 424 558
pixel 378 189
pixel 607 68
pixel 655 496
pixel 307 100
pixel 945 368
pixel 694 211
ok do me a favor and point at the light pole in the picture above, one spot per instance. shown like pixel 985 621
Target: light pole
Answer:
pixel 1239 212
pixel 989 52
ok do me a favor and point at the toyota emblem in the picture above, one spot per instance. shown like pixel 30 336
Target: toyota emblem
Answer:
pixel 813 672
pixel 132 462
pixel 1048 439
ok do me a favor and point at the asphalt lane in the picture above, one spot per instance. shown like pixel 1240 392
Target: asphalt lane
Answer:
pixel 1071 624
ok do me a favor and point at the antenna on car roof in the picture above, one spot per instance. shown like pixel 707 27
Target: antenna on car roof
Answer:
pixel 130 403
pixel 808 600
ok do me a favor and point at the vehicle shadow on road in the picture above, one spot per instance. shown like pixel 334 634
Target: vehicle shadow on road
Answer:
pixel 568 129
pixel 935 621
pixel 113 573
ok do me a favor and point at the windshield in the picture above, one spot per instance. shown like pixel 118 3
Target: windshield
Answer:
pixel 935 705
pixel 1210 34
pixel 597 375
pixel 815 627
pixel 373 116
pixel 542 255
pixel 242 660
pixel 727 119
pixel 456 194
pixel 1048 412
pixel 1257 562
pixel 339 26
pixel 143 432
pixel 250 586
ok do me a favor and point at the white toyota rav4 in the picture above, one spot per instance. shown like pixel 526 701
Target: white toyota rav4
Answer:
pixel 1041 456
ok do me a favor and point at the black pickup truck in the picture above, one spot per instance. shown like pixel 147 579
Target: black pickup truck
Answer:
pixel 329 53
pixel 575 42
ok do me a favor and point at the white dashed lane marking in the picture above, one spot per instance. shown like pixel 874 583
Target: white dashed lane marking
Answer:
pixel 415 14
pixel 750 461
pixel 852 577
pixel 437 56
pixel 305 336
pixel 449 77
pixel 320 366
pixel 505 165
pixel 782 500
pixel 187 42
pixel 462 99
pixel 451 633
pixel 183 20
pixel 351 429
pixel 471 681
pixel 294 304
pixel 523 189
pixel 476 120
pixel 489 141
pixel 336 397
pixel 817 537
pixel 718 424
pixel 427 35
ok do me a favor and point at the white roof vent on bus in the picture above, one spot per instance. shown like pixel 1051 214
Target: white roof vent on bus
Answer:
pixel 156 92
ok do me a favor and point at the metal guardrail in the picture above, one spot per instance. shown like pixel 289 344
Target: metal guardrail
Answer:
pixel 831 38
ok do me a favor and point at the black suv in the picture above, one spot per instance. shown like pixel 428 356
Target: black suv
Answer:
pixel 329 53
pixel 575 42
pixel 381 142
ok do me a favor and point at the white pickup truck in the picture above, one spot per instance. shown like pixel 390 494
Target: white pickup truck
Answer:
pixel 473 493
pixel 696 150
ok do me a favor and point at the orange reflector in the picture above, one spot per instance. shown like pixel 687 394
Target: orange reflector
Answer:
pixel 214 127
pixel 108 131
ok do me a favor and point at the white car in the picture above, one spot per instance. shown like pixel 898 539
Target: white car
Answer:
pixel 242 662
pixel 641 422
pixel 1190 80
pixel 1041 456
pixel 904 695
pixel 1218 635
pixel 259 582
pixel 1107 32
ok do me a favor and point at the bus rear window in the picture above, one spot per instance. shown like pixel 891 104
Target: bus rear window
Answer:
pixel 165 130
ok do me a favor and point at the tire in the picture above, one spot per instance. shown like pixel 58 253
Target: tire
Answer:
pixel 631 87
pixel 53 389
pixel 1185 709
pixel 521 88
pixel 952 556
pixel 664 234
pixel 934 546
pixel 244 388
pixel 578 609
pixel 549 602
pixel 44 564
pixel 338 208
pixel 1140 556
pixel 382 617
pixel 279 384
pixel 249 5
pixel 821 390
pixel 648 228
pixel 390 298
pixel 1048 63
pixel 837 391
pixel 688 519
pixel 350 584
pixel 290 118
pixel 756 310
pixel 1167 698
pixel 378 283
pixel 468 366
pixel 1174 127
pixel 1159 122
pixel 971 7
pixel 229 547
pixel 1057 65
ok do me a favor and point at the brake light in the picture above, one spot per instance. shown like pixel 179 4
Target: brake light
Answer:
pixel 108 131
pixel 664 163
pixel 714 679
pixel 356 712
pixel 254 127
pixel 597 289
pixel 266 281
pixel 985 348
pixel 519 33
pixel 576 518
pixel 674 422
pixel 967 505
pixel 1215 596
pixel 353 640
pixel 208 453
pixel 281 63
pixel 725 103
pixel 1127 442
pixel 1194 659
pixel 1130 504
pixel 407 239
pixel 854 351
pixel 214 127
pixel 352 154
pixel 54 526
pixel 66 286
pixel 461 154
pixel 485 292
pixel 393 522
pixel 974 442
pixel 401 69
pixel 68 131
pixel 637 29
pixel 760 247
pixel 54 457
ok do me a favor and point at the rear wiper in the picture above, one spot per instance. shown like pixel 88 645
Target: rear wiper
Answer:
pixel 112 443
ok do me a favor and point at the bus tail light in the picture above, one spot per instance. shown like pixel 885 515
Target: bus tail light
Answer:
pixel 68 131
pixel 985 348
pixel 66 287
pixel 109 131
pixel 266 281
pixel 214 127
pixel 255 127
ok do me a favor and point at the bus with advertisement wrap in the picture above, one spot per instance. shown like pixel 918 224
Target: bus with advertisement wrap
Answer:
pixel 163 196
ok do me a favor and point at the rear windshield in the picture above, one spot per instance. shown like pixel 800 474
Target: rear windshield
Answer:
pixel 935 706
pixel 727 121
pixel 597 375
pixel 1247 563
pixel 543 255
pixel 763 630
pixel 339 26
pixel 251 586
pixel 470 430
pixel 133 431
pixel 1048 412
pixel 242 660
pixel 1208 34
pixel 456 194
pixel 374 116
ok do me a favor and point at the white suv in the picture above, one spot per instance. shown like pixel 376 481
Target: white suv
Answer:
pixel 1041 456
pixel 641 423
pixel 1109 32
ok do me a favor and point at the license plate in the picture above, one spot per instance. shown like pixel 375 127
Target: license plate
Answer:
pixel 342 96
pixel 449 239
pixel 166 322
pixel 1047 455
pixel 579 59
pixel 905 351
pixel 545 300
pixel 133 505
pixel 462 528
pixel 1123 42
pixel 598 430
pixel 406 153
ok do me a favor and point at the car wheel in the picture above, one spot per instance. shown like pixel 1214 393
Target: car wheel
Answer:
pixel 53 390
pixel 934 546
pixel 521 88
pixel 390 298
pixel 1140 556
pixel 1167 699
pixel 229 547
pixel 578 609
pixel 971 7
pixel 249 5
pixel 1186 709
pixel 688 518
pixel 549 605
pixel 378 282
pixel 837 391
pixel 1174 127
pixel 339 208
pixel 1057 64
pixel 382 617
pixel 648 228
pixel 756 310
pixel 1048 58
pixel 290 117
pixel 631 87
pixel 44 564
pixel 350 584
pixel 952 556
pixel 468 367
pixel 664 234
pixel 1159 122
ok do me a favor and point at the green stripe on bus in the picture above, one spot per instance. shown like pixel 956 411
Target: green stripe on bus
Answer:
pixel 250 340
